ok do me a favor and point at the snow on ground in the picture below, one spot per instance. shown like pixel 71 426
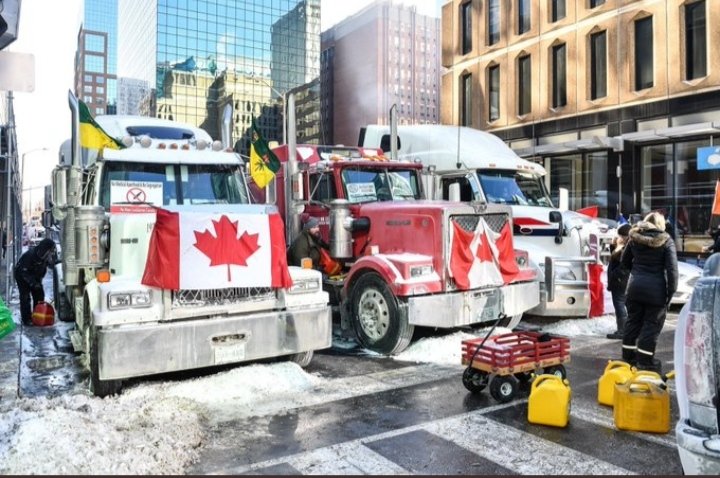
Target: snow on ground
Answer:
pixel 157 427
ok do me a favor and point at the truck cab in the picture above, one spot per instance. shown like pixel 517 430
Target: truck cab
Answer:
pixel 400 253
pixel 560 244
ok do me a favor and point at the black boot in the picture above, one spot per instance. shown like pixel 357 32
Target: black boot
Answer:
pixel 629 356
pixel 649 362
pixel 618 335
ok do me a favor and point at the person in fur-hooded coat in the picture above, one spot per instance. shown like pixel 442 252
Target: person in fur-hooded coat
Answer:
pixel 651 257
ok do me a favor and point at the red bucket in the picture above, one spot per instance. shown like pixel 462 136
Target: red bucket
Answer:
pixel 43 315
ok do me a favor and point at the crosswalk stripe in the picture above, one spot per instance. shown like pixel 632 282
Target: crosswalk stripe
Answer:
pixel 522 452
pixel 345 459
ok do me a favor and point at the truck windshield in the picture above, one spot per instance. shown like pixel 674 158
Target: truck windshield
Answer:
pixel 171 184
pixel 514 187
pixel 370 185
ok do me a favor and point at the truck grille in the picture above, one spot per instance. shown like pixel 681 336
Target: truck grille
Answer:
pixel 469 221
pixel 200 298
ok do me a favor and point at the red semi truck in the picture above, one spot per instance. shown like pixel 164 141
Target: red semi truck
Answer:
pixel 406 261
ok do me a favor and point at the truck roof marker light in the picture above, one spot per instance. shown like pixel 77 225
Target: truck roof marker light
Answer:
pixel 128 141
pixel 102 276
pixel 145 141
pixel 217 146
pixel 201 144
pixel 162 146
pixel 493 165
pixel 173 146
pixel 185 147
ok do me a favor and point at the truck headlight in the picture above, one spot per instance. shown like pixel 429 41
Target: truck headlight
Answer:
pixel 417 271
pixel 127 300
pixel 302 286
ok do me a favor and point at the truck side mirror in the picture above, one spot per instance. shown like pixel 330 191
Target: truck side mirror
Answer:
pixel 59 192
pixel 47 219
pixel 556 218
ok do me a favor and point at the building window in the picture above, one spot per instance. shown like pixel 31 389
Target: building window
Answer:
pixel 598 65
pixel 494 92
pixel 523 16
pixel 558 10
pixel 596 3
pixel 643 54
pixel 695 41
pixel 559 69
pixel 493 27
pixel 466 99
pixel 524 85
pixel 466 10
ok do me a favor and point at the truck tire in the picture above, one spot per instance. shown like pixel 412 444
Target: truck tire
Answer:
pixel 375 314
pixel 62 307
pixel 100 388
pixel 303 359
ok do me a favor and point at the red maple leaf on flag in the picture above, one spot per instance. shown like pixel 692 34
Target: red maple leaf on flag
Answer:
pixel 226 248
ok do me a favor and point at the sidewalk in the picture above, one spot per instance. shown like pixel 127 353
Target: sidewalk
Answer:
pixel 10 348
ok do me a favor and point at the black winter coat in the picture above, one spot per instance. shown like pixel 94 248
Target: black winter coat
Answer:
pixel 33 264
pixel 617 274
pixel 652 260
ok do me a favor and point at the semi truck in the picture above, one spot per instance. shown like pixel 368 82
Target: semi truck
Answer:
pixel 403 260
pixel 560 244
pixel 106 203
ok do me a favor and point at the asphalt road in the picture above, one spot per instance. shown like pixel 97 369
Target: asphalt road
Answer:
pixel 401 418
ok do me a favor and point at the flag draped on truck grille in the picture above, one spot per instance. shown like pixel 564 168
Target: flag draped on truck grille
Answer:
pixel 482 257
pixel 263 162
pixel 201 250
pixel 92 136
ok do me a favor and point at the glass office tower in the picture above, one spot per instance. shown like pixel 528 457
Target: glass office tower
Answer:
pixel 207 54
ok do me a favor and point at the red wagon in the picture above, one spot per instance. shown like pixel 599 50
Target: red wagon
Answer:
pixel 504 361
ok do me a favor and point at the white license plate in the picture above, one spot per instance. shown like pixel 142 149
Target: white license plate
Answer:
pixel 229 353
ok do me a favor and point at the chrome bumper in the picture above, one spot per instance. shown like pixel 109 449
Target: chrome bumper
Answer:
pixel 698 451
pixel 571 300
pixel 469 307
pixel 135 350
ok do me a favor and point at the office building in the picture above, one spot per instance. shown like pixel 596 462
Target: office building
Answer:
pixel 200 55
pixel 616 98
pixel 96 57
pixel 387 54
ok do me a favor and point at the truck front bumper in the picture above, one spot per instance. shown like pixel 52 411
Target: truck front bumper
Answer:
pixel 699 451
pixel 456 309
pixel 144 349
pixel 571 300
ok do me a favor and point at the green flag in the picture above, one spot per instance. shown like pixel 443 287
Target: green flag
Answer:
pixel 263 162
pixel 92 136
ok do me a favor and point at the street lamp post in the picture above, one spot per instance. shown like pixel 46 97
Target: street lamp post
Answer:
pixel 284 104
pixel 22 176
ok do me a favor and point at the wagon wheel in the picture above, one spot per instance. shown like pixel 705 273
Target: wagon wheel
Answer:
pixel 503 388
pixel 557 370
pixel 475 380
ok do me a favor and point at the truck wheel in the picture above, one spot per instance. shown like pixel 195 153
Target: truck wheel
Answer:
pixel 100 388
pixel 557 370
pixel 303 359
pixel 375 314
pixel 62 308
pixel 503 388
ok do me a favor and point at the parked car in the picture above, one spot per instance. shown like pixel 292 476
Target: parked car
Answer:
pixel 697 364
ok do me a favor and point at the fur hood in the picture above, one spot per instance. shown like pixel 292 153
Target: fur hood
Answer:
pixel 648 234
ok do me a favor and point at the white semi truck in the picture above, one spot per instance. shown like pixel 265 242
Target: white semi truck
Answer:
pixel 560 243
pixel 105 203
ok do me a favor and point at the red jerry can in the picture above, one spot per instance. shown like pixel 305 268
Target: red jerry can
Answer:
pixel 43 315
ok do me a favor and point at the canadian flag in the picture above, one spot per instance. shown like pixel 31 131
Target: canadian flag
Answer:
pixel 482 257
pixel 202 250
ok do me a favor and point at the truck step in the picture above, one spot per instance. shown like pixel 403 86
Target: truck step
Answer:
pixel 77 341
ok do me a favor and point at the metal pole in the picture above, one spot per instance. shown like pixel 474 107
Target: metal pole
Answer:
pixel 293 187
pixel 8 213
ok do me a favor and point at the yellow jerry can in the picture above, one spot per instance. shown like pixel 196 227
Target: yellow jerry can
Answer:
pixel 642 404
pixel 549 402
pixel 616 372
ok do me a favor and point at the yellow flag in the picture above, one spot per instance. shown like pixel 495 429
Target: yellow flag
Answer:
pixel 261 174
